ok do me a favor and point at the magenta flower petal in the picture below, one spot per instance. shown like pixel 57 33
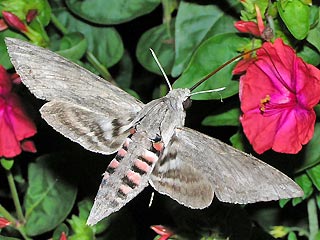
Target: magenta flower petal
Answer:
pixel 15 125
pixel 9 144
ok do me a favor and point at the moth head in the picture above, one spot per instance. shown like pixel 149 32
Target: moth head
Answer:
pixel 180 98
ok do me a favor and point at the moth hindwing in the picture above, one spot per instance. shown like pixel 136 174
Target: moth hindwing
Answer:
pixel 151 142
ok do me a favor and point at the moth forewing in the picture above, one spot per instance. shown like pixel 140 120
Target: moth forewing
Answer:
pixel 152 144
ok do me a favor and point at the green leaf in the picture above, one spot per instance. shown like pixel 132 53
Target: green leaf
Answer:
pixel 209 56
pixel 50 197
pixel 108 49
pixel 310 55
pixel 283 202
pixel 78 223
pixel 305 183
pixel 292 236
pixel 314 174
pixel 73 46
pixel 160 40
pixel 44 10
pixel 112 11
pixel 314 34
pixel 227 118
pixel 194 23
pixel 312 153
pixel 298 24
pixel 237 141
pixel 4 57
pixel 6 163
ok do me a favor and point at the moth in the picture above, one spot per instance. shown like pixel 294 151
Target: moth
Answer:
pixel 152 145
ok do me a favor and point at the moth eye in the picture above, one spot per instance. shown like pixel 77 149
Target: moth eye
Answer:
pixel 187 103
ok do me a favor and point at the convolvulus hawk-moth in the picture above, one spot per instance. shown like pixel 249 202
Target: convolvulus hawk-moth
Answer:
pixel 153 146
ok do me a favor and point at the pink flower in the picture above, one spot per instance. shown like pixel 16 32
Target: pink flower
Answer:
pixel 4 222
pixel 13 21
pixel 15 126
pixel 255 28
pixel 164 232
pixel 243 65
pixel 277 94
pixel 247 27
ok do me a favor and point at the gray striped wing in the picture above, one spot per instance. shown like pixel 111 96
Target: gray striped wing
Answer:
pixel 75 93
pixel 234 176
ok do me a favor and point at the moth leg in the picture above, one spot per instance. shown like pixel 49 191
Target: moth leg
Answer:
pixel 157 144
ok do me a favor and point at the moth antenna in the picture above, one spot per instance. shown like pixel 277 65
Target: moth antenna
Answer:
pixel 208 91
pixel 219 68
pixel 161 69
pixel 151 199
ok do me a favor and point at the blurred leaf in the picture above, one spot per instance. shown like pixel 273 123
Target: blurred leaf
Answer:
pixel 59 230
pixel 49 197
pixel 111 11
pixel 298 24
pixel 194 23
pixel 6 163
pixel 8 238
pixel 305 183
pixel 227 118
pixel 209 56
pixel 312 153
pixel 73 46
pixel 314 174
pixel 108 50
pixel 292 236
pixel 161 43
pixel 237 141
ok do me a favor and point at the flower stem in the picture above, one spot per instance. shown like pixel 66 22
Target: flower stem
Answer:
pixel 99 67
pixel 15 196
pixel 167 8
pixel 58 25
pixel 23 234
pixel 312 218
pixel 6 214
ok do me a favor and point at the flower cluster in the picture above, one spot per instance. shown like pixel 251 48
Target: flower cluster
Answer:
pixel 15 125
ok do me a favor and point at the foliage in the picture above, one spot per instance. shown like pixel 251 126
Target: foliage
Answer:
pixel 191 39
